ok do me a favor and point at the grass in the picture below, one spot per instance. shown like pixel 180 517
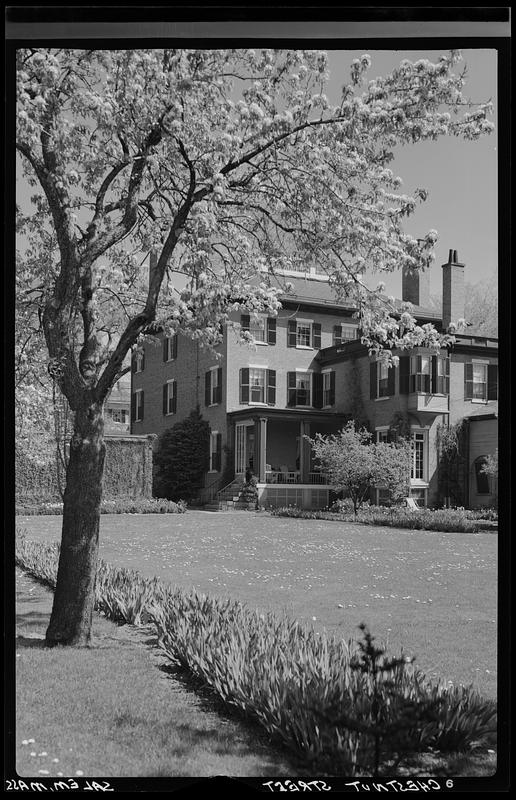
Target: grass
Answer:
pixel 109 711
pixel 434 594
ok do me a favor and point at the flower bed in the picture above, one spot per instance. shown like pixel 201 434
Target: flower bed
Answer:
pixel 121 505
pixel 446 519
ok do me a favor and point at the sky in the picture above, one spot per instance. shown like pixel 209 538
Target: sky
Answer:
pixel 461 176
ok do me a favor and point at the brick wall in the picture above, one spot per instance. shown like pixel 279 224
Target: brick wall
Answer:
pixel 188 370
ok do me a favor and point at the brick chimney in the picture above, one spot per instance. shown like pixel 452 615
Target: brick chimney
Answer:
pixel 453 290
pixel 415 286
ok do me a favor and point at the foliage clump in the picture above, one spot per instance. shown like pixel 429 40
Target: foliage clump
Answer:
pixel 355 465
pixel 182 459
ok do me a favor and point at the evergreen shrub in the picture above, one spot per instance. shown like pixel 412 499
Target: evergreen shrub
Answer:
pixel 182 459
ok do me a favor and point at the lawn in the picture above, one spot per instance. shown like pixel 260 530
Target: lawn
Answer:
pixel 434 594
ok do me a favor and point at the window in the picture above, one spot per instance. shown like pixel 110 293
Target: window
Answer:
pixel 215 451
pixel 382 380
pixel 480 381
pixel 382 434
pixel 118 415
pixel 304 333
pixel 344 333
pixel 417 471
pixel 213 386
pixel 137 406
pixel 425 373
pixel 328 389
pixel 262 329
pixel 482 480
pixel 258 385
pixel 138 364
pixel 382 374
pixel 170 348
pixel 420 374
pixel 299 386
pixel 169 397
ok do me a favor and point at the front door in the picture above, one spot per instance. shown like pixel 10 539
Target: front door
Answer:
pixel 244 447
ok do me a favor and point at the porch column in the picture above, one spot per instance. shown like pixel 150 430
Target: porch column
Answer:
pixel 304 451
pixel 260 438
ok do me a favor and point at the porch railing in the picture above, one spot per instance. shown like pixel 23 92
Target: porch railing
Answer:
pixel 318 478
pixel 208 493
pixel 279 476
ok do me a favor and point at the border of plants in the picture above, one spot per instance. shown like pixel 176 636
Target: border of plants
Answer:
pixel 341 707
pixel 444 520
pixel 122 505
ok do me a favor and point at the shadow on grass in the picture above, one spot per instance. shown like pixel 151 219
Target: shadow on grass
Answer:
pixel 32 620
pixel 30 642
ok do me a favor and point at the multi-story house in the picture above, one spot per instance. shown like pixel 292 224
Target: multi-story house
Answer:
pixel 117 414
pixel 308 373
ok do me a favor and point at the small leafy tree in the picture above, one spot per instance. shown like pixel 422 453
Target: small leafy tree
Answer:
pixel 490 468
pixel 355 465
pixel 182 459
pixel 393 461
pixel 491 465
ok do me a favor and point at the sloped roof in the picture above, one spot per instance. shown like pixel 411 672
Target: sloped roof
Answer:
pixel 308 291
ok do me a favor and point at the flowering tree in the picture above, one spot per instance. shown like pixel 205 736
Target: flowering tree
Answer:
pixel 226 165
pixel 355 465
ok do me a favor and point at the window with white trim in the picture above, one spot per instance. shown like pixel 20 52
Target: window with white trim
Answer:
pixel 420 373
pixel 382 434
pixel 328 388
pixel 139 361
pixel 137 403
pixel 169 397
pixel 257 383
pixel 299 388
pixel 418 441
pixel 345 332
pixel 170 348
pixel 382 377
pixel 261 328
pixel 213 386
pixel 118 415
pixel 304 333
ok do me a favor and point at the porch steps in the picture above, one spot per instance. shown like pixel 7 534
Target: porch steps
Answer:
pixel 227 498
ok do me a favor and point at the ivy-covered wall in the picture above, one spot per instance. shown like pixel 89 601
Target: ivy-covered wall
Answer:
pixel 127 472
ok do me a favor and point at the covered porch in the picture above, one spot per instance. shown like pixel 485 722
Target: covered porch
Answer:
pixel 271 444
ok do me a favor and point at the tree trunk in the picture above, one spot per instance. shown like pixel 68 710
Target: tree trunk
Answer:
pixel 72 611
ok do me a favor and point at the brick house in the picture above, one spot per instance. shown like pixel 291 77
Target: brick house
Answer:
pixel 309 373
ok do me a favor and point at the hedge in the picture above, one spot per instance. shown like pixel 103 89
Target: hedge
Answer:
pixel 127 472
